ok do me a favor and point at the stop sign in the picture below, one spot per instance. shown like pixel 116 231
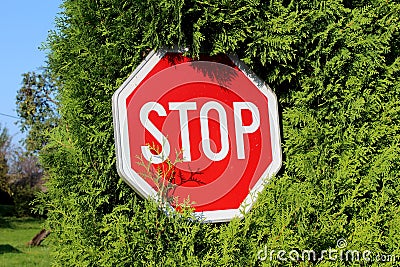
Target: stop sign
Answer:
pixel 199 131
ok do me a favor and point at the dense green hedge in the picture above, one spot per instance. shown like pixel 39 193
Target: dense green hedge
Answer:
pixel 335 67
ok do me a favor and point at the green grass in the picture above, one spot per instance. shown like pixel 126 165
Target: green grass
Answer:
pixel 15 233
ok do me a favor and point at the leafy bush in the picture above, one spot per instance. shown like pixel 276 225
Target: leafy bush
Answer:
pixel 25 181
pixel 23 197
pixel 334 66
pixel 20 176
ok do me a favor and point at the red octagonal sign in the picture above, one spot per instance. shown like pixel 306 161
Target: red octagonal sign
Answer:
pixel 203 132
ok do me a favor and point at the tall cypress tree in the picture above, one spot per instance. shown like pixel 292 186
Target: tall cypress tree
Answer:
pixel 335 67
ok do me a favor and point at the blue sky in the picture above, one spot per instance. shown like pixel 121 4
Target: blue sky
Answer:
pixel 24 26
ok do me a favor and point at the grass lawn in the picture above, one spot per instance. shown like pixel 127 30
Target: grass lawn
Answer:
pixel 15 233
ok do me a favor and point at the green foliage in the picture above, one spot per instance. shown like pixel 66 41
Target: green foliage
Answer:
pixel 23 197
pixel 37 108
pixel 25 180
pixel 4 146
pixel 20 176
pixel 335 67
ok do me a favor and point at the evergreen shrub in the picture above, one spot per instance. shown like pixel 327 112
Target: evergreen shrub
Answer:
pixel 335 68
